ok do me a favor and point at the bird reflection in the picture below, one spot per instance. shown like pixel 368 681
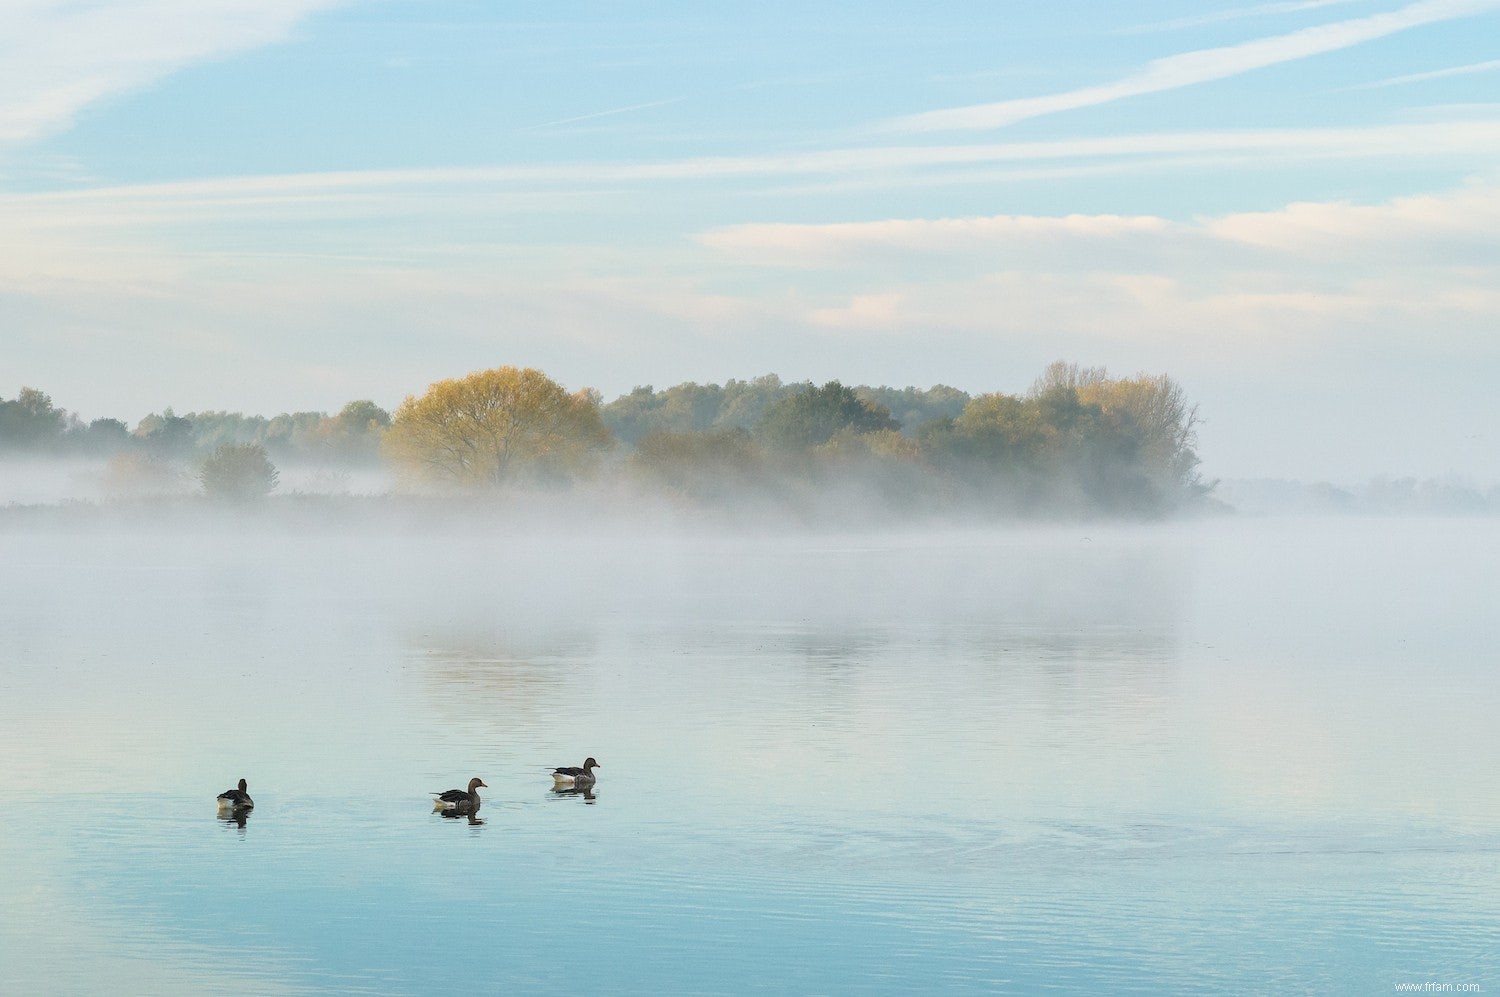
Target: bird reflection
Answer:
pixel 236 817
pixel 587 792
pixel 473 819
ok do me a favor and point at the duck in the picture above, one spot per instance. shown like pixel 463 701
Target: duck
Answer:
pixel 236 799
pixel 458 800
pixel 578 778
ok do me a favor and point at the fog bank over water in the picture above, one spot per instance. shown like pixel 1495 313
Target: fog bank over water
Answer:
pixel 1085 756
pixel 31 480
pixel 1453 495
pixel 90 492
pixel 1240 663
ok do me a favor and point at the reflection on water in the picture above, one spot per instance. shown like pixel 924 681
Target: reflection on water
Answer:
pixel 473 819
pixel 234 817
pixel 1227 757
pixel 586 793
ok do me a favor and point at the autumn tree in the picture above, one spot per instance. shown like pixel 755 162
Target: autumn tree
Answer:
pixel 495 427
pixel 711 465
pixel 130 475
pixel 1155 413
pixel 351 437
pixel 994 431
pixel 1146 422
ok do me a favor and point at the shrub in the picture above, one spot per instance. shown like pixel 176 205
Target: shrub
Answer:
pixel 238 472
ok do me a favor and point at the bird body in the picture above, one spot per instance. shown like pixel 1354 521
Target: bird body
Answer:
pixel 236 799
pixel 458 800
pixel 575 777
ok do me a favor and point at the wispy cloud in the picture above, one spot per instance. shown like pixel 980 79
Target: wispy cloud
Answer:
pixel 57 57
pixel 375 191
pixel 1449 228
pixel 1237 13
pixel 1436 74
pixel 1305 278
pixel 1416 231
pixel 610 113
pixel 811 245
pixel 1201 66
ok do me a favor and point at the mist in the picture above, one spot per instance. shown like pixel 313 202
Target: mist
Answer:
pixel 868 716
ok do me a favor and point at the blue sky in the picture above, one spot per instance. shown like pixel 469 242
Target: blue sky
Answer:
pixel 269 205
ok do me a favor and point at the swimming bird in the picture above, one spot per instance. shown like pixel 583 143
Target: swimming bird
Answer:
pixel 236 799
pixel 578 778
pixel 459 801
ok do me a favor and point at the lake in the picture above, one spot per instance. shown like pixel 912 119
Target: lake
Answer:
pixel 1233 755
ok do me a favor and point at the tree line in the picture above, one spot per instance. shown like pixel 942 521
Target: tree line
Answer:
pixel 1077 441
pixel 30 422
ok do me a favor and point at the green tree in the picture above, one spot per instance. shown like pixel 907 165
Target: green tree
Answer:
pixel 363 416
pixel 994 431
pixel 694 408
pixel 31 421
pixel 238 472
pixel 914 407
pixel 812 417
pixel 686 408
pixel 745 402
pixel 105 436
pixel 1010 453
pixel 167 434
pixel 209 430
pixel 494 427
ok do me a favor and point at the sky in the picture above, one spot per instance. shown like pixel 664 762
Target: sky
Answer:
pixel 1291 207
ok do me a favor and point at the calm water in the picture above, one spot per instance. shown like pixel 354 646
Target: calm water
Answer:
pixel 1253 756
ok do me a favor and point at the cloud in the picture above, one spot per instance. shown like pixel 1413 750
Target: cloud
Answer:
pixel 1436 74
pixel 1201 66
pixel 611 112
pixel 792 244
pixel 57 57
pixel 1422 265
pixel 1219 16
pixel 863 313
pixel 369 193
pixel 1456 227
pixel 153 240
pixel 1430 229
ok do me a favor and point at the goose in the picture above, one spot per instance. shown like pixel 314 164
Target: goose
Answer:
pixel 575 777
pixel 236 799
pixel 458 800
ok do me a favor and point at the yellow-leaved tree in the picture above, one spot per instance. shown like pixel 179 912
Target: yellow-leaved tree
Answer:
pixel 495 427
pixel 1151 411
